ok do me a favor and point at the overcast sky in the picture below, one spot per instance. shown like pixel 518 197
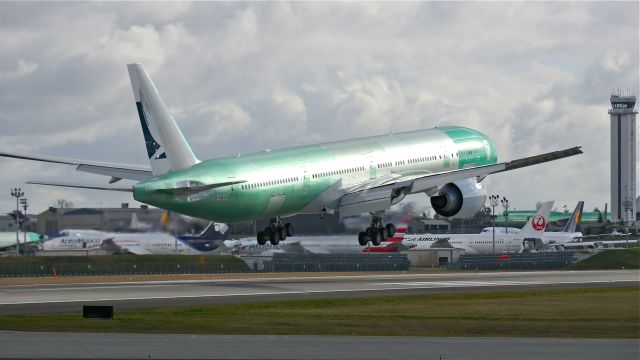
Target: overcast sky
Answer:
pixel 243 77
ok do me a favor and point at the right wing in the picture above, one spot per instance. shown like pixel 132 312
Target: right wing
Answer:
pixel 377 196
pixel 116 171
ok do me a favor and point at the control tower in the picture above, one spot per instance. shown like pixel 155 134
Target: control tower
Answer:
pixel 624 159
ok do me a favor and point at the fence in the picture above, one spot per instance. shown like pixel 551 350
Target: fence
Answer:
pixel 529 261
pixel 282 262
pixel 119 265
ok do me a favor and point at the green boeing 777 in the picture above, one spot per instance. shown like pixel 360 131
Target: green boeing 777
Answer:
pixel 365 175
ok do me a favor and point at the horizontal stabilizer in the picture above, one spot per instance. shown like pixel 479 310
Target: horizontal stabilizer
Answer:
pixel 81 186
pixel 116 171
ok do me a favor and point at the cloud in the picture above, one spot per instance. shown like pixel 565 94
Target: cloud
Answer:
pixel 242 77
pixel 23 68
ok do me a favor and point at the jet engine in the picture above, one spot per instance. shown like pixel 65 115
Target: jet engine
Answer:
pixel 462 198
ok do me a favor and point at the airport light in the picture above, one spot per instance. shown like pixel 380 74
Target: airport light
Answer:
pixel 628 208
pixel 493 201
pixel 505 206
pixel 17 193
pixel 24 204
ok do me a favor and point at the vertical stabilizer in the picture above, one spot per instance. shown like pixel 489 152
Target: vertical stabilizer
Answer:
pixel 573 225
pixel 534 228
pixel 166 146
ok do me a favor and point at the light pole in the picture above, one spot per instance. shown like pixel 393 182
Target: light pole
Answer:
pixel 493 201
pixel 628 207
pixel 17 193
pixel 505 206
pixel 24 204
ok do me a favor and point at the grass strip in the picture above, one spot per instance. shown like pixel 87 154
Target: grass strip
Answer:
pixel 610 259
pixel 571 313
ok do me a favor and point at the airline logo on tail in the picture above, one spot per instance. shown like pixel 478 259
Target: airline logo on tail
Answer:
pixel 535 227
pixel 538 223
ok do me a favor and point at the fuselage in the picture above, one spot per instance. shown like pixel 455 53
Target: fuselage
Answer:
pixel 311 179
pixel 473 244
pixel 151 243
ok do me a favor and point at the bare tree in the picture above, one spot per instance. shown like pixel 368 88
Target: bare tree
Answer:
pixel 63 204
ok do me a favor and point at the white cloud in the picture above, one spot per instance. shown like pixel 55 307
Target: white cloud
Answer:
pixel 242 77
pixel 220 120
pixel 23 68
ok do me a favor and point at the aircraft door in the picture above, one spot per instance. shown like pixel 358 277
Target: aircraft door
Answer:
pixel 372 169
pixel 306 183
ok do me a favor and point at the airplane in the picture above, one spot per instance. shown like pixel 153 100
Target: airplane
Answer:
pixel 8 238
pixel 529 238
pixel 351 177
pixel 570 231
pixel 326 244
pixel 154 243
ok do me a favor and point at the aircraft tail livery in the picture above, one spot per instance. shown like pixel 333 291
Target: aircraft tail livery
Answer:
pixel 573 224
pixel 535 227
pixel 167 148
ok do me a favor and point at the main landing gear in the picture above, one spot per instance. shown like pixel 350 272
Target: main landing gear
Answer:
pixel 275 232
pixel 376 233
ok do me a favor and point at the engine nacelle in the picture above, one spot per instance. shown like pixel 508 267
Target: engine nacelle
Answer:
pixel 462 198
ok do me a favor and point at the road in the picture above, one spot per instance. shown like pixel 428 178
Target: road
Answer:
pixel 17 345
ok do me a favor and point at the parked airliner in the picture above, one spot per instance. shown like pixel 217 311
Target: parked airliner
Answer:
pixel 365 175
pixel 150 243
pixel 570 232
pixel 474 244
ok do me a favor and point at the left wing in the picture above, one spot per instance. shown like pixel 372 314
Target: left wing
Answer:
pixel 381 196
pixel 116 171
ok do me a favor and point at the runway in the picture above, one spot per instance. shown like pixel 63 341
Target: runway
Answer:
pixel 29 299
pixel 17 345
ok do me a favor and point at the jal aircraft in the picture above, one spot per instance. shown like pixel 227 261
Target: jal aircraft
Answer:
pixel 570 232
pixel 476 244
pixel 365 175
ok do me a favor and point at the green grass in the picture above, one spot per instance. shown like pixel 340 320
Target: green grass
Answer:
pixel 584 313
pixel 610 259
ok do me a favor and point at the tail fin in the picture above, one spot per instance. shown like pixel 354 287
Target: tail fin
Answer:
pixel 534 228
pixel 403 224
pixel 166 146
pixel 573 225
pixel 213 231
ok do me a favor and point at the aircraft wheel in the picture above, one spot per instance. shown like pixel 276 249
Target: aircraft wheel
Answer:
pixel 283 233
pixel 268 234
pixel 288 228
pixel 391 230
pixel 275 238
pixel 362 238
pixel 261 238
pixel 371 233
pixel 377 238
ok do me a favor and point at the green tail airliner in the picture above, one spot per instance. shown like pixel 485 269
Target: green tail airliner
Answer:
pixel 365 175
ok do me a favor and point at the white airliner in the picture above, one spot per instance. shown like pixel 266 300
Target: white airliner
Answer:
pixel 570 232
pixel 155 243
pixel 476 244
